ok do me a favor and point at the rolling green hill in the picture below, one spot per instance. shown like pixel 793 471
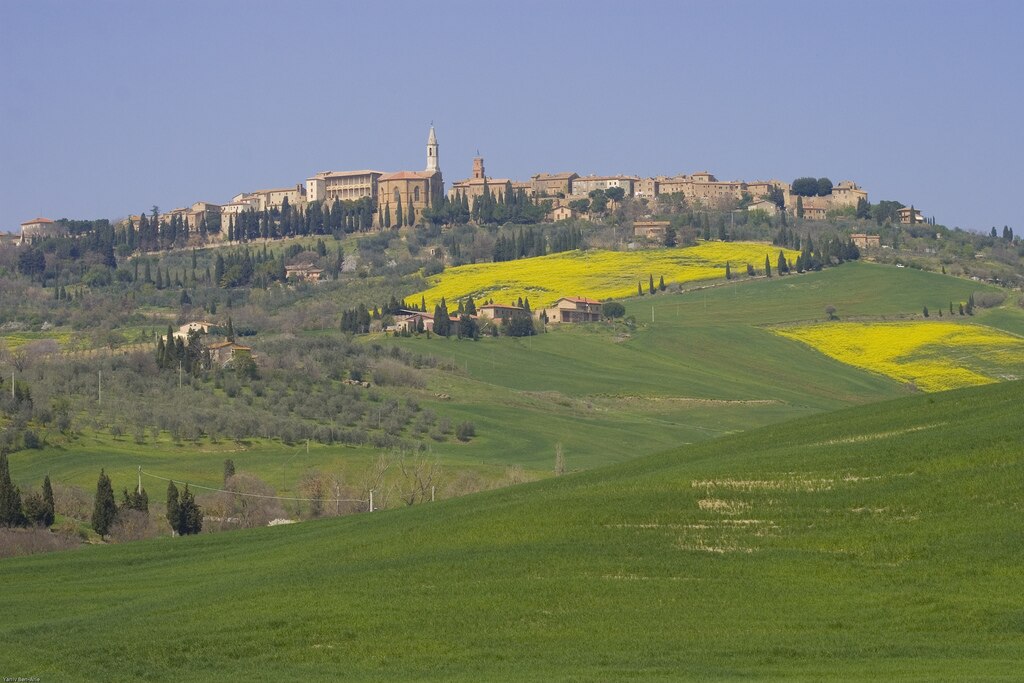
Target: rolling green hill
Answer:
pixel 881 541
pixel 707 365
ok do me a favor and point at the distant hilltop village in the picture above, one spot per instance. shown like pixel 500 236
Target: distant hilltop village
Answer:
pixel 400 198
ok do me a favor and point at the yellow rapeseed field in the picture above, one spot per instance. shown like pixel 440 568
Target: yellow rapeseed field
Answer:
pixel 933 355
pixel 595 274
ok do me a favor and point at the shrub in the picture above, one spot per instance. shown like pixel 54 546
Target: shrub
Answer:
pixel 613 309
pixel 465 431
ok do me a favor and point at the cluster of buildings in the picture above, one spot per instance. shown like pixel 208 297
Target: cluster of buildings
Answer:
pixel 417 190
pixel 568 309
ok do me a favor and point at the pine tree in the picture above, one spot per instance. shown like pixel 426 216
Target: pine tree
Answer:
pixel 10 497
pixel 104 508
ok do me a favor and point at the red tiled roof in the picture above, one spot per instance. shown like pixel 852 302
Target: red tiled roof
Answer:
pixel 406 175
pixel 579 300
pixel 514 308
pixel 37 220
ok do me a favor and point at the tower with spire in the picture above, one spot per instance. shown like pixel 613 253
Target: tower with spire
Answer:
pixel 433 163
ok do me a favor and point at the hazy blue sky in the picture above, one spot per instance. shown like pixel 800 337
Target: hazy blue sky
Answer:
pixel 107 108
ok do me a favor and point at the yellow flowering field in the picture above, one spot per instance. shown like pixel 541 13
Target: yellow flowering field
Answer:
pixel 933 355
pixel 595 274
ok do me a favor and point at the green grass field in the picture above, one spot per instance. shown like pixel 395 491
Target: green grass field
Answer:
pixel 882 541
pixel 708 365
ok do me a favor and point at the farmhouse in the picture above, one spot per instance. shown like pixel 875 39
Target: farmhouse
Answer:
pixel 497 311
pixel 202 327
pixel 225 351
pixel 409 321
pixel 652 230
pixel 909 215
pixel 769 207
pixel 570 309
pixel 303 271
pixel 561 213
pixel 862 241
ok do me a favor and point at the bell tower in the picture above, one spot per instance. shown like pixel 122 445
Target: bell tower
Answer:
pixel 433 163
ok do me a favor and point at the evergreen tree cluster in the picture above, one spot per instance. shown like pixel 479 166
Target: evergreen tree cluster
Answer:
pixel 35 508
pixel 183 514
pixel 356 320
pixel 190 355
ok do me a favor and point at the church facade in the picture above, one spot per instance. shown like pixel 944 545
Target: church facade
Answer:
pixel 413 191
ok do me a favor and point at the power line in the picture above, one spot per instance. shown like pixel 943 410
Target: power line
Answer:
pixel 258 495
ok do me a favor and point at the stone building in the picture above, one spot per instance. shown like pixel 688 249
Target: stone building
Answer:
pixel 343 185
pixel 474 187
pixel 40 227
pixel 553 184
pixel 419 189
pixel 584 185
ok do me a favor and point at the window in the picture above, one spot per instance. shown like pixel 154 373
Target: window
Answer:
pixel 416 194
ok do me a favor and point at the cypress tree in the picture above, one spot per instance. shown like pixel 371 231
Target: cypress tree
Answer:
pixel 661 284
pixel 387 214
pixel 399 219
pixel 51 508
pixel 190 515
pixel 650 283
pixel 173 508
pixel 639 288
pixel 767 266
pixel 229 470
pixel 728 272
pixel 782 267
pixel 104 508
pixel 410 214
pixel 10 497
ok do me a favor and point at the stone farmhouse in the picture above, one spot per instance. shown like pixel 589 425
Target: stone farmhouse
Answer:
pixel 650 230
pixel 862 241
pixel 570 309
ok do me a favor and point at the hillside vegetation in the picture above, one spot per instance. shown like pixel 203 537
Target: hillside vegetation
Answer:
pixel 880 541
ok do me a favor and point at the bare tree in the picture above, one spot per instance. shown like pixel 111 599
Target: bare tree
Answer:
pixel 419 474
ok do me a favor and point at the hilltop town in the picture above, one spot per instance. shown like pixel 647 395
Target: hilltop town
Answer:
pixel 375 200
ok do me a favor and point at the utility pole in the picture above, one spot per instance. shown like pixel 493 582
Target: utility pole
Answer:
pixel 139 491
pixel 371 500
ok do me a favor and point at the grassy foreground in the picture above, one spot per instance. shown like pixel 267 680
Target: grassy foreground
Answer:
pixel 879 541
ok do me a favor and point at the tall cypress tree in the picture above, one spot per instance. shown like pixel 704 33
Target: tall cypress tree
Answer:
pixel 104 508
pixel 51 508
pixel 10 497
pixel 173 506
pixel 399 219
pixel 767 266
pixel 650 283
